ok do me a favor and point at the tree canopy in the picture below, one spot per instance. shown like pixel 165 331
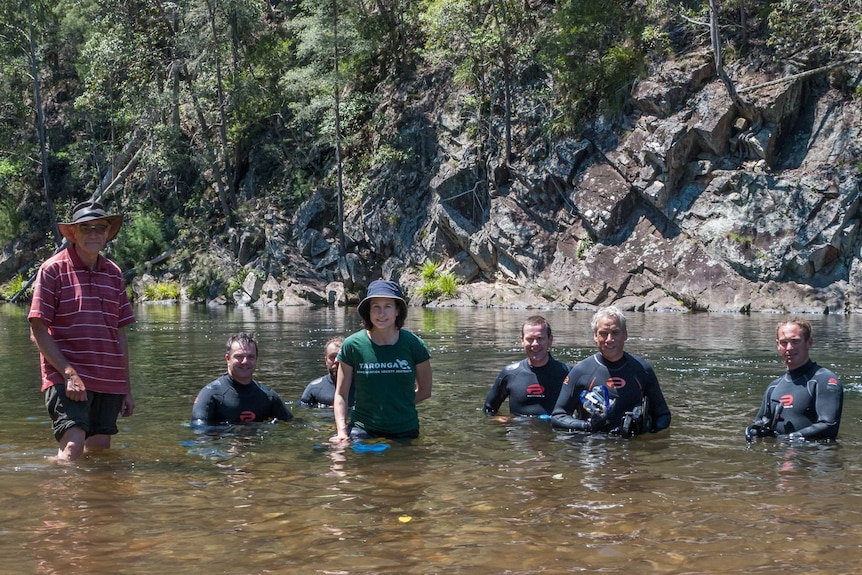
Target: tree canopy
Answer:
pixel 232 101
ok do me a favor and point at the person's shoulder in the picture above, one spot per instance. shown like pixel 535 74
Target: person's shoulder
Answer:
pixel 515 366
pixel 409 336
pixel 319 381
pixel 217 382
pixel 267 389
pixel 557 364
pixel 826 374
pixel 109 266
pixel 591 360
pixel 260 385
pixel 413 342
pixel 355 338
pixel 60 259
pixel 638 359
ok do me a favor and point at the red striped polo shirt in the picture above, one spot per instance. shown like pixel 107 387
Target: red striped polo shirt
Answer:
pixel 84 310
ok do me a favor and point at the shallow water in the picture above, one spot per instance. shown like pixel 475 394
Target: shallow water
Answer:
pixel 472 495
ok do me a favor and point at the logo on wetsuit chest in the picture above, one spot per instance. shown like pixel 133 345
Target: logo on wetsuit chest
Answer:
pixel 786 400
pixel 247 416
pixel 616 382
pixel 535 390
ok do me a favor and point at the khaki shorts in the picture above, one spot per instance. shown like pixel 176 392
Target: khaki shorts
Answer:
pixel 96 416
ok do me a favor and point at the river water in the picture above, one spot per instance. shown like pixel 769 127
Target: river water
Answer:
pixel 473 495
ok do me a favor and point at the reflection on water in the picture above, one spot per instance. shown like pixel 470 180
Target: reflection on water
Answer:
pixel 472 495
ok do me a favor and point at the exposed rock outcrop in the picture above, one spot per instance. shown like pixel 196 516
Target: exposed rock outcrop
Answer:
pixel 684 205
pixel 676 213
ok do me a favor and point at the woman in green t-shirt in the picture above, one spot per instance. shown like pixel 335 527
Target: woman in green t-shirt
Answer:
pixel 389 366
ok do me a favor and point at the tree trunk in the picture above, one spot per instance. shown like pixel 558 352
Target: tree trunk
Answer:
pixel 40 125
pixel 342 249
pixel 744 107
pixel 223 156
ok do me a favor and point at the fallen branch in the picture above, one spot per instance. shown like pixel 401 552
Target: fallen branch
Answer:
pixel 161 258
pixel 805 74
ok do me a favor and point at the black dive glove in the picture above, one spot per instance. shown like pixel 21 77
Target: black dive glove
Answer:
pixel 760 428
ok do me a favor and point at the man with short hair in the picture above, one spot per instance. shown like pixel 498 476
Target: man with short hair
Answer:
pixel 77 320
pixel 806 402
pixel 236 397
pixel 321 391
pixel 532 384
pixel 612 391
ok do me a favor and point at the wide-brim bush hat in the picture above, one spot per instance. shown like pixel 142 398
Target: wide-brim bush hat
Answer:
pixel 87 212
pixel 383 288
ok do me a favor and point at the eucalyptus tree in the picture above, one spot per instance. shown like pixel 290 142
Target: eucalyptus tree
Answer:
pixel 21 24
pixel 324 87
pixel 594 52
pixel 211 39
pixel 487 43
pixel 814 32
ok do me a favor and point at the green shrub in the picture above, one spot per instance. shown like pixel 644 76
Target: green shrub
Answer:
pixel 11 223
pixel 234 284
pixel 140 239
pixel 428 291
pixel 594 51
pixel 584 246
pixel 448 284
pixel 428 270
pixel 435 282
pixel 159 291
pixel 197 291
pixel 12 287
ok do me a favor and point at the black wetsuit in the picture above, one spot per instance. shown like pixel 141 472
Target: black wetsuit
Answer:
pixel 811 397
pixel 628 380
pixel 531 390
pixel 225 401
pixel 321 393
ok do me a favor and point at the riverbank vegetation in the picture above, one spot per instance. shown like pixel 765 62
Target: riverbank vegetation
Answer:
pixel 196 117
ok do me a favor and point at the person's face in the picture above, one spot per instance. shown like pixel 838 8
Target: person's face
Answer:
pixel 329 358
pixel 383 311
pixel 792 345
pixel 91 237
pixel 241 362
pixel 610 338
pixel 537 344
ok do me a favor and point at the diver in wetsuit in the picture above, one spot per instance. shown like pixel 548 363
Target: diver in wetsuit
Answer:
pixel 612 391
pixel 532 384
pixel 236 397
pixel 320 392
pixel 806 402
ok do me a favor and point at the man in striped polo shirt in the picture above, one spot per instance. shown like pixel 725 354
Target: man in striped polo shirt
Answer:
pixel 77 320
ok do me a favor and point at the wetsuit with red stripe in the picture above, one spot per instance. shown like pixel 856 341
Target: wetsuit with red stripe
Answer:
pixel 628 381
pixel 811 397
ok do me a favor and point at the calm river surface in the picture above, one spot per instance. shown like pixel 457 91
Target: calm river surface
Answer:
pixel 473 495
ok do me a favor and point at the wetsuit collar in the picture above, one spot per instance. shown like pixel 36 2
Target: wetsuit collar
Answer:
pixel 800 371
pixel 237 385
pixel 612 364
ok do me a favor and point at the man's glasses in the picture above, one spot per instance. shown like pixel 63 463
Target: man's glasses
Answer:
pixel 89 228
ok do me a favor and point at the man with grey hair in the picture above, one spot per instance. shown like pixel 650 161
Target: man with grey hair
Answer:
pixel 612 391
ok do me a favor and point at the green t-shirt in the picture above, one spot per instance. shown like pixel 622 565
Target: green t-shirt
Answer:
pixel 384 378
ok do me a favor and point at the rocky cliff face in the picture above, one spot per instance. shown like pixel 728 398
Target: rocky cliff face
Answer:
pixel 685 206
pixel 681 205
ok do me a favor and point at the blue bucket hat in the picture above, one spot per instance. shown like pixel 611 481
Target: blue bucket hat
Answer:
pixel 382 288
